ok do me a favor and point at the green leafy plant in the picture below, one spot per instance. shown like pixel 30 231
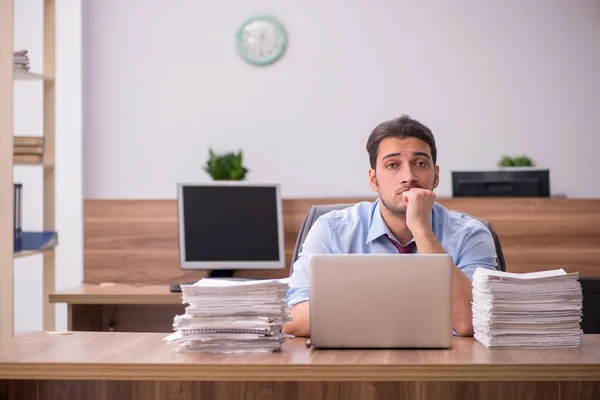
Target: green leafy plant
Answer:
pixel 519 161
pixel 226 167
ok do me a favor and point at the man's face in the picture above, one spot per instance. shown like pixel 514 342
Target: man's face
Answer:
pixel 402 164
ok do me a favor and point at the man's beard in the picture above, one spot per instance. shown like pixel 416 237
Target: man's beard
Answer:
pixel 398 210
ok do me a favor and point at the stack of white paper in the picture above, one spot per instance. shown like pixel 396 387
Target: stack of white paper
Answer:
pixel 226 316
pixel 20 61
pixel 540 309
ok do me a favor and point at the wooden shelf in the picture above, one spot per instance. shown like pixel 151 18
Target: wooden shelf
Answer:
pixel 31 76
pixel 26 253
pixel 33 164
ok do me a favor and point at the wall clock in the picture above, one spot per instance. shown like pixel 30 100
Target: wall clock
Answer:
pixel 261 40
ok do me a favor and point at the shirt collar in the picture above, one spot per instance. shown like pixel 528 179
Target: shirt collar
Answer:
pixel 378 227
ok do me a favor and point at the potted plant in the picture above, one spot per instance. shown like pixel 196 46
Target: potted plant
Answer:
pixel 519 161
pixel 226 167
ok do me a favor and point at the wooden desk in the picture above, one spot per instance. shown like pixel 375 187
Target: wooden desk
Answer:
pixel 121 308
pixel 102 365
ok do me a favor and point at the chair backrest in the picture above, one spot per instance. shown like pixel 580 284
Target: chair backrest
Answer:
pixel 311 216
pixel 501 263
pixel 317 210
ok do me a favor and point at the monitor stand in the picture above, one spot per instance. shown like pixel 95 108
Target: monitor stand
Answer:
pixel 221 273
pixel 226 274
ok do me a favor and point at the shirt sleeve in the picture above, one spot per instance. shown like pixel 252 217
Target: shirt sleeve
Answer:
pixel 318 241
pixel 478 251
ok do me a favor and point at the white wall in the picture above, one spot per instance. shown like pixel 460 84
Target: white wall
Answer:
pixel 164 83
pixel 28 121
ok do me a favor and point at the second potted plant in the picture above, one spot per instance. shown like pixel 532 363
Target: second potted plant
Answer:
pixel 226 167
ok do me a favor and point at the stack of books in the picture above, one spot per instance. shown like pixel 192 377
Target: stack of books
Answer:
pixel 229 316
pixel 539 309
pixel 20 62
pixel 28 149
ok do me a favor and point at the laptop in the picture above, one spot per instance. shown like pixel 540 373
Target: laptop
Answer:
pixel 381 300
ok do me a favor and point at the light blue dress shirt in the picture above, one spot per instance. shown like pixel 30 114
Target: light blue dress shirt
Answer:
pixel 360 229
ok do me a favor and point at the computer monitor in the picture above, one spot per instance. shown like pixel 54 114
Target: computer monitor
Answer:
pixel 230 225
pixel 509 182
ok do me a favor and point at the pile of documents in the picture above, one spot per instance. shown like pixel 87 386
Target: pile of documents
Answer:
pixel 540 309
pixel 228 316
pixel 20 61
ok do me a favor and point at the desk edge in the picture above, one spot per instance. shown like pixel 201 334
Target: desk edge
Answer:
pixel 279 372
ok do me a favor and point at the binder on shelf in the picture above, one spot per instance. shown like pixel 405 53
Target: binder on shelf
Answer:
pixel 17 209
pixel 28 240
pixel 39 240
pixel 28 141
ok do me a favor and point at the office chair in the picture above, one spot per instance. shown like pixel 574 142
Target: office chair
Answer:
pixel 500 261
pixel 317 210
pixel 590 288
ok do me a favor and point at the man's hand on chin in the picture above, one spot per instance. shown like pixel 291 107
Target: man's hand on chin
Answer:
pixel 299 325
pixel 419 203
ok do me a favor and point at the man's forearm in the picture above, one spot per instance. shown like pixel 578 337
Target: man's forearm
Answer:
pixel 462 292
pixel 300 323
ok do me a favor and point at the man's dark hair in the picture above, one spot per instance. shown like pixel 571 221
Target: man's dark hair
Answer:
pixel 401 128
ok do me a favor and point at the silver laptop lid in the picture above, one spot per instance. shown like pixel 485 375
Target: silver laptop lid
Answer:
pixel 381 301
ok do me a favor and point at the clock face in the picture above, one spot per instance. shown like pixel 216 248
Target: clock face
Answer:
pixel 262 40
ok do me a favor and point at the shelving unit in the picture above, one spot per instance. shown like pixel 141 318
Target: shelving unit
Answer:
pixel 30 77
pixel 7 79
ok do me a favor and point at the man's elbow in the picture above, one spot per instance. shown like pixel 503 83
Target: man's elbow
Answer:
pixel 464 329
pixel 296 329
pixel 299 325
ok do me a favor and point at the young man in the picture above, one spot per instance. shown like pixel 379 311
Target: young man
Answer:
pixel 405 218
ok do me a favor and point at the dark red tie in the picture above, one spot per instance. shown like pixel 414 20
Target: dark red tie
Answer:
pixel 409 248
